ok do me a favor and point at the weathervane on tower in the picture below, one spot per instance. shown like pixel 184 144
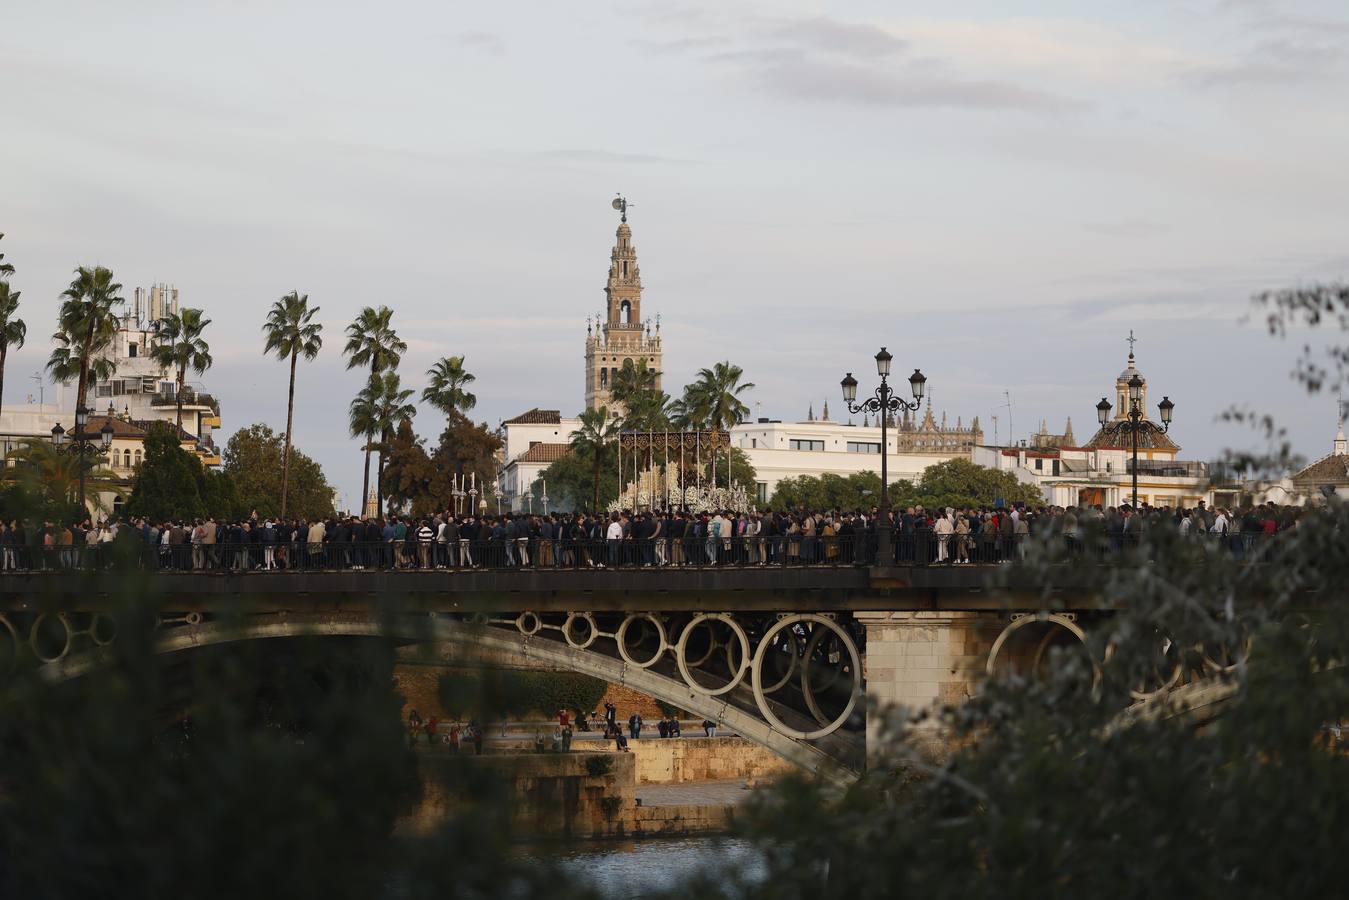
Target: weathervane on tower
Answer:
pixel 1132 340
pixel 621 204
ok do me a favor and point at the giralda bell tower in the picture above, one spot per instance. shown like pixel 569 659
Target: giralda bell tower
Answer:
pixel 622 335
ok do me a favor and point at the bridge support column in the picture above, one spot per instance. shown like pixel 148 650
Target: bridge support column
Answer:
pixel 920 659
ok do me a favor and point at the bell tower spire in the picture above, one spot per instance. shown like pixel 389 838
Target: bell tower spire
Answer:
pixel 621 336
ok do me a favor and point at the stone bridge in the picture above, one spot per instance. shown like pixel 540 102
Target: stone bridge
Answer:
pixel 789 658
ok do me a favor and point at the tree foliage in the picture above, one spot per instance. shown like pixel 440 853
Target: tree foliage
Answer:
pixel 519 693
pixel 252 459
pixel 957 483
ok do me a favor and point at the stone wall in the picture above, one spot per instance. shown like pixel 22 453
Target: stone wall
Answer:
pixel 686 759
pixel 654 821
pixel 553 794
pixel 418 682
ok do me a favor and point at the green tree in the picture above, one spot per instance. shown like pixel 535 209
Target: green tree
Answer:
pixel 410 478
pixel 391 408
pixel 465 449
pixel 446 389
pixel 373 343
pixel 291 333
pixel 49 478
pixel 180 346
pixel 571 484
pixel 713 402
pixel 632 380
pixel 253 459
pixel 960 483
pixel 12 328
pixel 169 480
pixel 86 327
pixel 860 490
pixel 591 442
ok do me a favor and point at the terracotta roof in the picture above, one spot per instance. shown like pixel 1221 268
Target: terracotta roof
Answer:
pixel 537 416
pixel 1328 469
pixel 545 453
pixel 136 429
pixel 1115 435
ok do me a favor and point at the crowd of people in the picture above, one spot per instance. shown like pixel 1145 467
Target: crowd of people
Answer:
pixel 620 539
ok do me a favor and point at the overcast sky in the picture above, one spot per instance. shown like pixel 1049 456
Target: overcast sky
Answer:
pixel 998 198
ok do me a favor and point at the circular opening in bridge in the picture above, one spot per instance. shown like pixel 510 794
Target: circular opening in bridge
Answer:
pixel 703 668
pixel 1028 645
pixel 580 630
pixel 103 629
pixel 1165 672
pixel 50 637
pixel 641 640
pixel 825 659
pixel 528 623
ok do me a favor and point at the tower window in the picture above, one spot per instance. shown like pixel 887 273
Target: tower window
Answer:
pixel 604 378
pixel 131 350
pixel 625 268
pixel 625 312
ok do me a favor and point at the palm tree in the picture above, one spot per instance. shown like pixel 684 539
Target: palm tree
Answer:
pixel 648 411
pixel 291 333
pixel 12 330
pixel 87 325
pixel 713 401
pixel 363 422
pixel 598 430
pixel 446 391
pixel 632 380
pixel 5 268
pixel 391 409
pixel 371 341
pixel 48 472
pixel 180 345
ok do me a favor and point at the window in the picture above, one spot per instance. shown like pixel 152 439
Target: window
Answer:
pixel 864 447
pixel 1056 467
pixel 1039 465
pixel 625 268
pixel 753 443
pixel 604 378
pixel 798 444
pixel 625 312
pixel 131 350
pixel 126 458
pixel 761 492
pixel 138 457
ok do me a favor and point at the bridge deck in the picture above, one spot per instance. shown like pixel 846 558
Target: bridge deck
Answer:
pixel 728 589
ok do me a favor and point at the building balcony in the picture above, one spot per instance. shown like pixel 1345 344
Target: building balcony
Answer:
pixel 191 398
pixel 1156 468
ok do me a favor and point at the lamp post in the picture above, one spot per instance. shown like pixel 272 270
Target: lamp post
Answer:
pixel 884 402
pixel 1135 419
pixel 82 448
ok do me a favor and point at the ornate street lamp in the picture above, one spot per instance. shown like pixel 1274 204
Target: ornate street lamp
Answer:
pixel 884 402
pixel 1134 419
pixel 82 447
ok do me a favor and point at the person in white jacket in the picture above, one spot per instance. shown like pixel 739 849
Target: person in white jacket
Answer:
pixel 943 529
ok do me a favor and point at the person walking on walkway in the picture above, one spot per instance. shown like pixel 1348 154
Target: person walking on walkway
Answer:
pixel 635 724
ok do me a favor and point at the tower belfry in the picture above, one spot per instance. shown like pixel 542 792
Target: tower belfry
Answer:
pixel 622 335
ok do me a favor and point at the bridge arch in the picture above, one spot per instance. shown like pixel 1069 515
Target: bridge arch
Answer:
pixel 480 637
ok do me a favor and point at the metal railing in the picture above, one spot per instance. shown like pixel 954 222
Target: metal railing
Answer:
pixel 922 548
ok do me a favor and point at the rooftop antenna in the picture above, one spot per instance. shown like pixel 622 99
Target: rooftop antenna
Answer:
pixel 1011 430
pixel 995 429
pixel 621 204
pixel 41 387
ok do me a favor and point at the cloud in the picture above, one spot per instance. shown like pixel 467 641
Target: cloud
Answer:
pixel 607 157
pixel 821 59
pixel 912 87
pixel 1127 228
pixel 482 41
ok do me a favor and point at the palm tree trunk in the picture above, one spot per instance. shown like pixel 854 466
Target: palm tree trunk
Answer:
pixel 84 367
pixel 182 374
pixel 290 418
pixel 595 502
pixel 365 482
pixel 379 482
pixel 4 352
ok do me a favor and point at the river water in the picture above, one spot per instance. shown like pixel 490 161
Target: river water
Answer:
pixel 630 868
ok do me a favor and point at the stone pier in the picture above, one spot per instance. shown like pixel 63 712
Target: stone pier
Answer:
pixel 920 659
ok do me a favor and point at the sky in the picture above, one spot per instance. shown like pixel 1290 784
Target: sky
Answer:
pixel 998 192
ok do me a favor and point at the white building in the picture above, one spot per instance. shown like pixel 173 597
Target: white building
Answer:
pixel 1101 471
pixel 142 390
pixel 816 447
pixel 533 441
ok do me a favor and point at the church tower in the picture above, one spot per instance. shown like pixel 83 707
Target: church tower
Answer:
pixel 621 335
